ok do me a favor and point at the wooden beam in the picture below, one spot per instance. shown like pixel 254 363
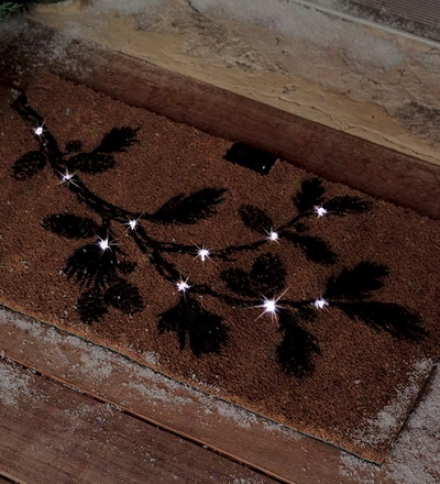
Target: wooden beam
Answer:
pixel 333 154
pixel 52 434
pixel 336 155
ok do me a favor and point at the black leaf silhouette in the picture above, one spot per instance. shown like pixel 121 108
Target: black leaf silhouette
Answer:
pixel 297 348
pixel 392 317
pixel 117 140
pixel 190 209
pixel 268 275
pixel 92 162
pixel 300 227
pixel 29 165
pixel 126 267
pixel 238 281
pixel 310 195
pixel 346 204
pixel 71 226
pixel 315 249
pixel 204 330
pixel 255 219
pixel 356 283
pixel 124 296
pixel 74 146
pixel 92 266
pixel 91 306
pixel 250 157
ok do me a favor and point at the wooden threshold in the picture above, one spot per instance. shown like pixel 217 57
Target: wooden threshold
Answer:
pixel 336 155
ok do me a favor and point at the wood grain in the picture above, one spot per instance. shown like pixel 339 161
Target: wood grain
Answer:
pixel 51 434
pixel 217 424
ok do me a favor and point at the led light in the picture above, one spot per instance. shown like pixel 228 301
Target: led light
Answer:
pixel 104 244
pixel 320 303
pixel 203 254
pixel 273 236
pixel 39 130
pixel 67 177
pixel 320 211
pixel 270 306
pixel 182 285
pixel 132 224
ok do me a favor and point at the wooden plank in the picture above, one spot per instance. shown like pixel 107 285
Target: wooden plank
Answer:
pixel 51 434
pixel 4 480
pixel 212 422
pixel 333 154
pixel 336 155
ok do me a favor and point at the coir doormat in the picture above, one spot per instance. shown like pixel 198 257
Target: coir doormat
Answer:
pixel 300 299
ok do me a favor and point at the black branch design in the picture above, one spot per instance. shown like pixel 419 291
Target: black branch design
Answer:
pixel 98 269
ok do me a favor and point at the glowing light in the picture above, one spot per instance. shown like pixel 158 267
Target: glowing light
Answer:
pixel 182 285
pixel 320 211
pixel 105 244
pixel 132 224
pixel 273 236
pixel 270 306
pixel 67 177
pixel 320 303
pixel 203 253
pixel 39 130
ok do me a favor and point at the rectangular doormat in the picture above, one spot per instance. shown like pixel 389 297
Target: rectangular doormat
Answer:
pixel 300 299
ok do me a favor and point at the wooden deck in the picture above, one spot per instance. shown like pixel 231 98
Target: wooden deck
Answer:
pixel 83 414
pixel 73 412
pixel 154 400
pixel 53 434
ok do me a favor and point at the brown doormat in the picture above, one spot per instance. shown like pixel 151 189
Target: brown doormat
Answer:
pixel 300 299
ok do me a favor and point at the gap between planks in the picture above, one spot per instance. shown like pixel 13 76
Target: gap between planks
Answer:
pixel 53 434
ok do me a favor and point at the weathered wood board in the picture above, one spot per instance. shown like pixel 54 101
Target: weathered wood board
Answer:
pixel 333 154
pixel 52 434
pixel 212 422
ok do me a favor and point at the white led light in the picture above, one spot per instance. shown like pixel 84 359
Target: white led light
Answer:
pixel 182 285
pixel 320 211
pixel 320 303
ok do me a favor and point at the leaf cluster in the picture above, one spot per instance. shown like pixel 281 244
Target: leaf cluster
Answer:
pixel 295 353
pixel 101 158
pixel 8 8
pixel 189 209
pixel 311 195
pixel 316 249
pixel 204 331
pixel 94 303
pixel 97 271
pixel 267 277
pixel 352 290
